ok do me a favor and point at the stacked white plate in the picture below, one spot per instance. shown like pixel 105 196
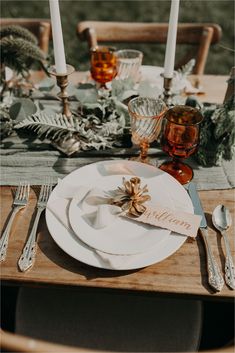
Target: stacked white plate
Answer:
pixel 124 244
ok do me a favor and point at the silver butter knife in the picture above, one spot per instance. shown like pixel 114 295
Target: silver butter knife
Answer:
pixel 215 278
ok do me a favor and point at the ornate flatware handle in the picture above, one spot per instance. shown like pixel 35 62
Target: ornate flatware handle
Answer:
pixel 215 278
pixel 27 257
pixel 5 236
pixel 229 266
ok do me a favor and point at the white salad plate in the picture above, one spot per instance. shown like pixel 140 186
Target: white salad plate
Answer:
pixel 122 236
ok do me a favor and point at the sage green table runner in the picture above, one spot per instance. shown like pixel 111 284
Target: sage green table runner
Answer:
pixel 32 160
pixel 23 157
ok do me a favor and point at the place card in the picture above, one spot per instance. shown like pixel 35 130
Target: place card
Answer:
pixel 179 222
pixel 133 199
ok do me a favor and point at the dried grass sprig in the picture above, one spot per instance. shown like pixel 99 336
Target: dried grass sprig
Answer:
pixel 19 49
pixel 18 31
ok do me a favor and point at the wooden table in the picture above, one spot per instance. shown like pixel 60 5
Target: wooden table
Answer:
pixel 213 86
pixel 183 273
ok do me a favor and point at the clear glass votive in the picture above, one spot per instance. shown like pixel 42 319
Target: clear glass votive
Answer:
pixel 128 64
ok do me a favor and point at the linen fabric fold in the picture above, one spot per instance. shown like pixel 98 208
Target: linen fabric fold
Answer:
pixel 101 209
pixel 66 192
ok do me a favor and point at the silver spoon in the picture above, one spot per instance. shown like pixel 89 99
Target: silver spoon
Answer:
pixel 222 220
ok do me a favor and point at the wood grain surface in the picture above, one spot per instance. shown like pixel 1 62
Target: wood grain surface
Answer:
pixel 213 86
pixel 183 273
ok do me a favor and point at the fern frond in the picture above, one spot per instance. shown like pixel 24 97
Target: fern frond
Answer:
pixel 187 69
pixel 53 125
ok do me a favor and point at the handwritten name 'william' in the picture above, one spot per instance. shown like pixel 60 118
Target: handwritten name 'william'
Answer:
pixel 165 216
pixel 177 221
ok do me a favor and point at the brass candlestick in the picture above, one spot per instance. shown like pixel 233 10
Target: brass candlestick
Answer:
pixel 62 82
pixel 167 93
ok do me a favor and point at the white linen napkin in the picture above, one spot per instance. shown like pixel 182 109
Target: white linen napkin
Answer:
pixel 60 207
pixel 95 205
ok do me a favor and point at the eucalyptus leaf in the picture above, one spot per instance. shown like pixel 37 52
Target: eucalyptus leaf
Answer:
pixel 127 94
pixel 86 94
pixel 22 108
pixel 39 105
pixel 94 106
pixel 120 87
pixel 122 111
pixel 46 85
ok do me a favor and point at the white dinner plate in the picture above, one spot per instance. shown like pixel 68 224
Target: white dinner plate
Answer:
pixel 122 236
pixel 73 246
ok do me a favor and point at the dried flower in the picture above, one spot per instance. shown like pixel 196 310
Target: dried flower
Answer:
pixel 130 197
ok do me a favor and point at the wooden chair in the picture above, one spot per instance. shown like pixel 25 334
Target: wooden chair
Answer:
pixel 198 35
pixel 41 28
pixel 11 342
pixel 41 322
pixel 98 320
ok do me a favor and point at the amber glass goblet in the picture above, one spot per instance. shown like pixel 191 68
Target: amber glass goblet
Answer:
pixel 180 139
pixel 146 120
pixel 103 65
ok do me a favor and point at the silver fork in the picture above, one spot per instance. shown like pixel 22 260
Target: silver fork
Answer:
pixel 27 257
pixel 20 201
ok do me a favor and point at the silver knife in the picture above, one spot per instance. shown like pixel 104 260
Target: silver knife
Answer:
pixel 215 278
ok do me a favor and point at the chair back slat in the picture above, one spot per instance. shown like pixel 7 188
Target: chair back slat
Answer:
pixel 200 35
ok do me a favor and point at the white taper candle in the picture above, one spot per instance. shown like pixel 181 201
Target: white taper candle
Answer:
pixel 171 40
pixel 58 43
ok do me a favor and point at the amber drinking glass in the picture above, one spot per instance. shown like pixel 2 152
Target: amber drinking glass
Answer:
pixel 146 120
pixel 103 65
pixel 180 139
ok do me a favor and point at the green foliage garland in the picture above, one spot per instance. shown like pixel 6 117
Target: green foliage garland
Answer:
pixel 98 125
pixel 217 138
